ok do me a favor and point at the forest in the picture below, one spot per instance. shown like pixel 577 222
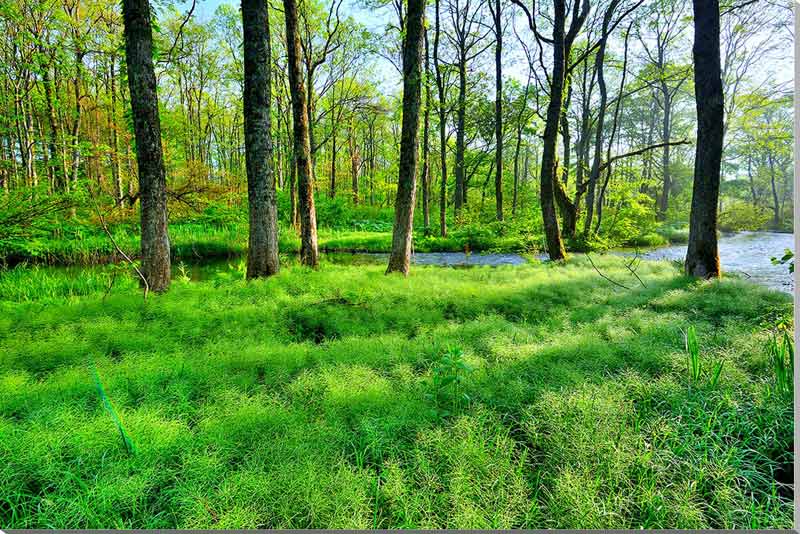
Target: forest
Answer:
pixel 396 264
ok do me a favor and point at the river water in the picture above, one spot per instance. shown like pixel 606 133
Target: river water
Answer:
pixel 745 253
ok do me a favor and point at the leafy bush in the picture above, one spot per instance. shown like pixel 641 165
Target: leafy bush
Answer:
pixel 739 215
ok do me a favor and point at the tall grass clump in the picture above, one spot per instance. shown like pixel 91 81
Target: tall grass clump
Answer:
pixel 781 358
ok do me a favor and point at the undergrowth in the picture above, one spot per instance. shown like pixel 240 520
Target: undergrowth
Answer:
pixel 538 396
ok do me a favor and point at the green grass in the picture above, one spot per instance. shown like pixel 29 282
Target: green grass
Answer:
pixel 87 245
pixel 322 399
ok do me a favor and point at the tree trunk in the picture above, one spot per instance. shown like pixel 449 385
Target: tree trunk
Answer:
pixel 461 111
pixel 426 171
pixel 152 179
pixel 58 169
pixel 332 190
pixel 702 255
pixel 309 253
pixel 355 161
pixel 442 129
pixel 498 111
pixel 776 207
pixel 517 146
pixel 262 248
pixel 116 168
pixel 666 129
pixel 594 175
pixel 400 258
pixel 555 247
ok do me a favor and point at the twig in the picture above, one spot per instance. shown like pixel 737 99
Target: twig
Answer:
pixel 116 246
pixel 604 276
pixel 632 269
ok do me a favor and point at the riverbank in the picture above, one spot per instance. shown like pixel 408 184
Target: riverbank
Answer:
pixel 535 396
pixel 86 243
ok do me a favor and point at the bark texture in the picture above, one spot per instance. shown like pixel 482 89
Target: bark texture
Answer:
pixel 702 256
pixel 262 249
pixel 400 257
pixel 309 253
pixel 152 179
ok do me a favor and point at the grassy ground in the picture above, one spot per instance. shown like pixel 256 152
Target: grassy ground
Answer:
pixel 535 396
pixel 85 244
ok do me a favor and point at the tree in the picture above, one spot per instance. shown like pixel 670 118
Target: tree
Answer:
pixel 666 24
pixel 309 253
pixel 561 42
pixel 497 15
pixel 594 175
pixel 262 251
pixel 702 255
pixel 400 257
pixel 465 19
pixel 152 177
pixel 442 109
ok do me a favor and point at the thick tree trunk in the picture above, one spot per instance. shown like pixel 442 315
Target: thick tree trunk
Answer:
pixel 400 258
pixel 262 248
pixel 152 178
pixel 498 111
pixel 702 256
pixel 309 253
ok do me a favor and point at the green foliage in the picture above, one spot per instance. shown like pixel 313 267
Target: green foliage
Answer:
pixel 781 358
pixel 448 379
pixel 741 215
pixel 786 259
pixel 674 233
pixel 695 364
pixel 578 414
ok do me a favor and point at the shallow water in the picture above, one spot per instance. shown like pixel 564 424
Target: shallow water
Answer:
pixel 746 253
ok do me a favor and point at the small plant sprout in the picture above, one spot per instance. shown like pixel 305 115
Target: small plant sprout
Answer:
pixel 449 376
pixel 183 273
